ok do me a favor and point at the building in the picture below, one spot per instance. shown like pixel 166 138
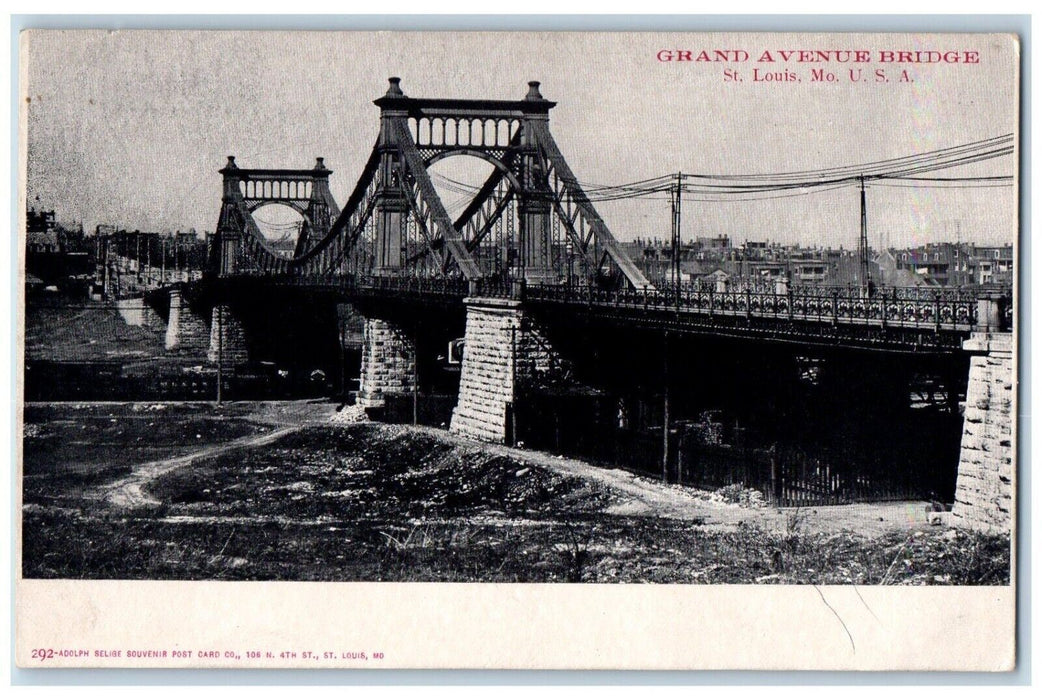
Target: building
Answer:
pixel 56 254
pixel 993 264
pixel 959 264
pixel 41 231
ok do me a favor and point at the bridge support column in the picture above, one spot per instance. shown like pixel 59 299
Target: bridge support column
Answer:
pixel 388 362
pixel 984 487
pixel 390 214
pixel 535 242
pixel 227 338
pixel 391 207
pixel 502 351
pixel 186 331
pixel 137 312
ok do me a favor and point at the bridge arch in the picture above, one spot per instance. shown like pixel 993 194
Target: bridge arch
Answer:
pixel 530 217
pixel 495 162
pixel 281 224
pixel 300 207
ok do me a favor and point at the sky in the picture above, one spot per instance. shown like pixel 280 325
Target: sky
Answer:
pixel 130 128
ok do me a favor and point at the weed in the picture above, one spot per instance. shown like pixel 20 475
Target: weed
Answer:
pixel 388 504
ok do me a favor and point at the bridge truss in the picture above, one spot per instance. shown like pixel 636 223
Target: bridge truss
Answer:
pixel 530 220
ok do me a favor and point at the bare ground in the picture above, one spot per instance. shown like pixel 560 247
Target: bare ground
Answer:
pixel 278 418
pixel 642 495
pixel 295 491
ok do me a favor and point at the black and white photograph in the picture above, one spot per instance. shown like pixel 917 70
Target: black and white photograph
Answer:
pixel 619 309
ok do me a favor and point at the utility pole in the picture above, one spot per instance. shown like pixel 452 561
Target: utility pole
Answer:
pixel 513 385
pixel 220 353
pixel 677 191
pixel 342 328
pixel 416 378
pixel 862 246
pixel 665 408
pixel 119 264
pixel 676 238
pixel 102 260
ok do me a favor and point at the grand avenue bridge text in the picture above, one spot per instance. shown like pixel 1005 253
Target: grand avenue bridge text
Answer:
pixel 527 318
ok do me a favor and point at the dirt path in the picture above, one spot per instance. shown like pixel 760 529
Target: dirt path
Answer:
pixel 637 495
pixel 645 496
pixel 285 418
pixel 127 492
pixel 640 495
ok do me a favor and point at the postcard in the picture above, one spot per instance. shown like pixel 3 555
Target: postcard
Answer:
pixel 518 350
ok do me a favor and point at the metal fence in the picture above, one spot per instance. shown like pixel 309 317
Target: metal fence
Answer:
pixel 933 309
pixel 946 309
pixel 786 475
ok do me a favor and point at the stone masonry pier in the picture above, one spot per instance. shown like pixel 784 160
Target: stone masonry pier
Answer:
pixel 503 351
pixel 388 362
pixel 984 497
pixel 186 331
pixel 227 339
pixel 137 312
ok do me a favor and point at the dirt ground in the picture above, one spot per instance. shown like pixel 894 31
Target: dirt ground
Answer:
pixel 299 491
pixel 642 495
pixel 69 444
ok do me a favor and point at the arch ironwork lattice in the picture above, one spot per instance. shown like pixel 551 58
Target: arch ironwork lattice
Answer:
pixel 394 223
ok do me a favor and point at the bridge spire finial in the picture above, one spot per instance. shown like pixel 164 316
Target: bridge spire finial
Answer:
pixel 533 91
pixel 231 163
pixel 394 89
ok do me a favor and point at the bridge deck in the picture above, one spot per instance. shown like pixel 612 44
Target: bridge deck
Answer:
pixel 894 319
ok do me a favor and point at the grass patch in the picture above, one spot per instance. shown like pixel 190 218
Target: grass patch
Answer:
pixel 604 549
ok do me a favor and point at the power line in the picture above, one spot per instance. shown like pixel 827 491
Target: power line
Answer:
pixel 1003 178
pixel 942 186
pixel 906 170
pixel 737 188
pixel 802 193
pixel 870 166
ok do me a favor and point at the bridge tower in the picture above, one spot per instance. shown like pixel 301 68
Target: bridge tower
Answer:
pixel 240 247
pixel 536 242
pixel 392 208
pixel 530 220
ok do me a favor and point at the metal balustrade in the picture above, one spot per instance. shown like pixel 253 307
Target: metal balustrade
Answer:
pixel 952 310
pixel 937 310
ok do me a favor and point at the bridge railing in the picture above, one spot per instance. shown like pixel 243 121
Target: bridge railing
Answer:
pixel 446 288
pixel 380 285
pixel 954 309
pixel 928 309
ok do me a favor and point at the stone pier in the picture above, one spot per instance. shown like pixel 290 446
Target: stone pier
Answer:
pixel 137 312
pixel 388 362
pixel 227 338
pixel 984 498
pixel 186 330
pixel 503 351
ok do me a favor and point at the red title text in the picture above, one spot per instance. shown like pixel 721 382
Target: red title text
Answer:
pixel 816 56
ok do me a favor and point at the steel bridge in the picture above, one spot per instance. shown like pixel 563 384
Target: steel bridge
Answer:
pixel 906 320
pixel 522 234
pixel 528 216
pixel 531 277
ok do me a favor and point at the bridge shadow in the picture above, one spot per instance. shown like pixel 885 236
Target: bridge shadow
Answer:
pixel 803 426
